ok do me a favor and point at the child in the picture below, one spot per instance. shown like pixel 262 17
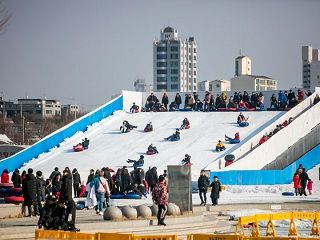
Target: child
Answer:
pixel 220 146
pixel 309 186
pixel 296 184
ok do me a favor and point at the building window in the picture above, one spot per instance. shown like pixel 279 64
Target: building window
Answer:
pixel 174 64
pixel 161 71
pixel 161 64
pixel 190 65
pixel 174 71
pixel 195 65
pixel 48 112
pixel 218 85
pixel 174 79
pixel 174 56
pixel 194 80
pixel 161 49
pixel 174 86
pixel 162 87
pixel 174 48
pixel 194 57
pixel 195 73
pixel 161 56
pixel 194 50
pixel 161 79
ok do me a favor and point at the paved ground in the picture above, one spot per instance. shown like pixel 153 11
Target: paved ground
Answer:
pixel 201 221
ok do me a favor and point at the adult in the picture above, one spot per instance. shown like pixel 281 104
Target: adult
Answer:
pixel 165 100
pixel 100 184
pixel 203 183
pixel 16 179
pixel 41 191
pixel 76 182
pixel 67 200
pixel 215 190
pixel 90 176
pixel 316 99
pixel 273 102
pixel 303 179
pixel 308 93
pixel 5 176
pixel 29 191
pixel 54 173
pixel 160 198
pixel 152 177
pixel 178 100
pixel 125 180
pixel 151 101
pixel 206 100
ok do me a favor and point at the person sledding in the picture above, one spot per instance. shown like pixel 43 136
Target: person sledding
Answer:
pixel 134 108
pixel 220 146
pixel 137 163
pixel 186 160
pixel 175 136
pixel 126 127
pixel 236 138
pixel 241 118
pixel 185 124
pixel 148 128
pixel 152 150
pixel 85 143
pixel 78 147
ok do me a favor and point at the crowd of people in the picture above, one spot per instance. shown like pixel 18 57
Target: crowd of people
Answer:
pixel 240 100
pixel 301 182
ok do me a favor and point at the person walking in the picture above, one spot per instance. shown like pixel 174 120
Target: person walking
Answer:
pixel 303 179
pixel 100 184
pixel 215 190
pixel 203 183
pixel 160 198
pixel 29 191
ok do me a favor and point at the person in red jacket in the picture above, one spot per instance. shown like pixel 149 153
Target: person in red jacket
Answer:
pixel 263 139
pixel 236 137
pixel 5 176
pixel 296 184
pixel 300 95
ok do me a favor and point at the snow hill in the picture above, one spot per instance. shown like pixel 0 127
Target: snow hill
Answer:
pixel 108 147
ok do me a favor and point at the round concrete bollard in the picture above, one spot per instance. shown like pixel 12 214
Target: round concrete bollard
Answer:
pixel 178 212
pixel 171 210
pixel 154 209
pixel 129 212
pixel 112 213
pixel 144 211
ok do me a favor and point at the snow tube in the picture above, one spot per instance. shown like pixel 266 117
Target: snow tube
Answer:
pixel 287 194
pixel 80 205
pixel 174 139
pixel 251 109
pixel 244 124
pixel 6 185
pixel 150 152
pixel 232 109
pixel 187 126
pixel 242 109
pixel 117 196
pixel 234 141
pixel 147 130
pixel 137 165
pixel 82 192
pixel 229 158
pixel 78 148
pixel 14 199
pixel 132 196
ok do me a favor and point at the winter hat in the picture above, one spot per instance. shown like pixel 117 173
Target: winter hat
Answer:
pixel 141 156
pixel 30 170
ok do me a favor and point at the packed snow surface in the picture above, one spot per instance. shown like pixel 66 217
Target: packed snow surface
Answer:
pixel 109 147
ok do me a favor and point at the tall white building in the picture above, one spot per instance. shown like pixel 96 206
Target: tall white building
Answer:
pixel 140 85
pixel 219 85
pixel 242 66
pixel 174 63
pixel 310 67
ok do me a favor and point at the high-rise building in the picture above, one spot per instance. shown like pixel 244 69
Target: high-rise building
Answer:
pixel 174 63
pixel 310 67
pixel 243 66
pixel 140 85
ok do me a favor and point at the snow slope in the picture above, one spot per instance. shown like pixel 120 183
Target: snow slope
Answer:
pixel 108 147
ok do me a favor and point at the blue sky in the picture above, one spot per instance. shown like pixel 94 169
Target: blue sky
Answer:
pixel 85 51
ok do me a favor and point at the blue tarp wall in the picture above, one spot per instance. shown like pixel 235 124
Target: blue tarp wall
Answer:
pixel 54 139
pixel 268 177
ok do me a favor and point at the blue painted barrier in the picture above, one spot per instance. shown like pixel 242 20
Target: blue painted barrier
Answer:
pixel 268 177
pixel 54 139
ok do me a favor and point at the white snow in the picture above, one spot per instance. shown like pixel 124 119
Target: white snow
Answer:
pixel 108 147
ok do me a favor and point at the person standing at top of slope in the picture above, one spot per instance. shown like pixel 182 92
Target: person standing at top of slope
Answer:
pixel 134 108
pixel 203 184
pixel 152 100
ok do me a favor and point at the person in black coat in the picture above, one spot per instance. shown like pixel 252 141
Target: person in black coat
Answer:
pixel 16 179
pixel 178 100
pixel 125 180
pixel 215 190
pixel 91 176
pixel 54 173
pixel 66 199
pixel 41 188
pixel 303 179
pixel 203 184
pixel 29 191
pixel 165 100
pixel 76 182
pixel 152 178
pixel 107 176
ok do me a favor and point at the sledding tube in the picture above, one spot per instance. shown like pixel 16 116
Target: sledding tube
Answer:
pixel 150 152
pixel 244 124
pixel 132 196
pixel 242 109
pixel 6 185
pixel 78 148
pixel 147 130
pixel 234 141
pixel 287 194
pixel 117 196
pixel 80 206
pixel 82 192
pixel 187 126
pixel 251 109
pixel 137 165
pixel 174 139
pixel 14 199
pixel 232 109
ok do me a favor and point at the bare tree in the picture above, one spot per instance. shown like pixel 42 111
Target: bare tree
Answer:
pixel 4 17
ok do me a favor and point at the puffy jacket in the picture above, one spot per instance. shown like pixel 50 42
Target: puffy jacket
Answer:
pixel 295 180
pixel 160 194
pixel 66 188
pixel 203 182
pixel 4 177
pixel 263 140
pixel 220 145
